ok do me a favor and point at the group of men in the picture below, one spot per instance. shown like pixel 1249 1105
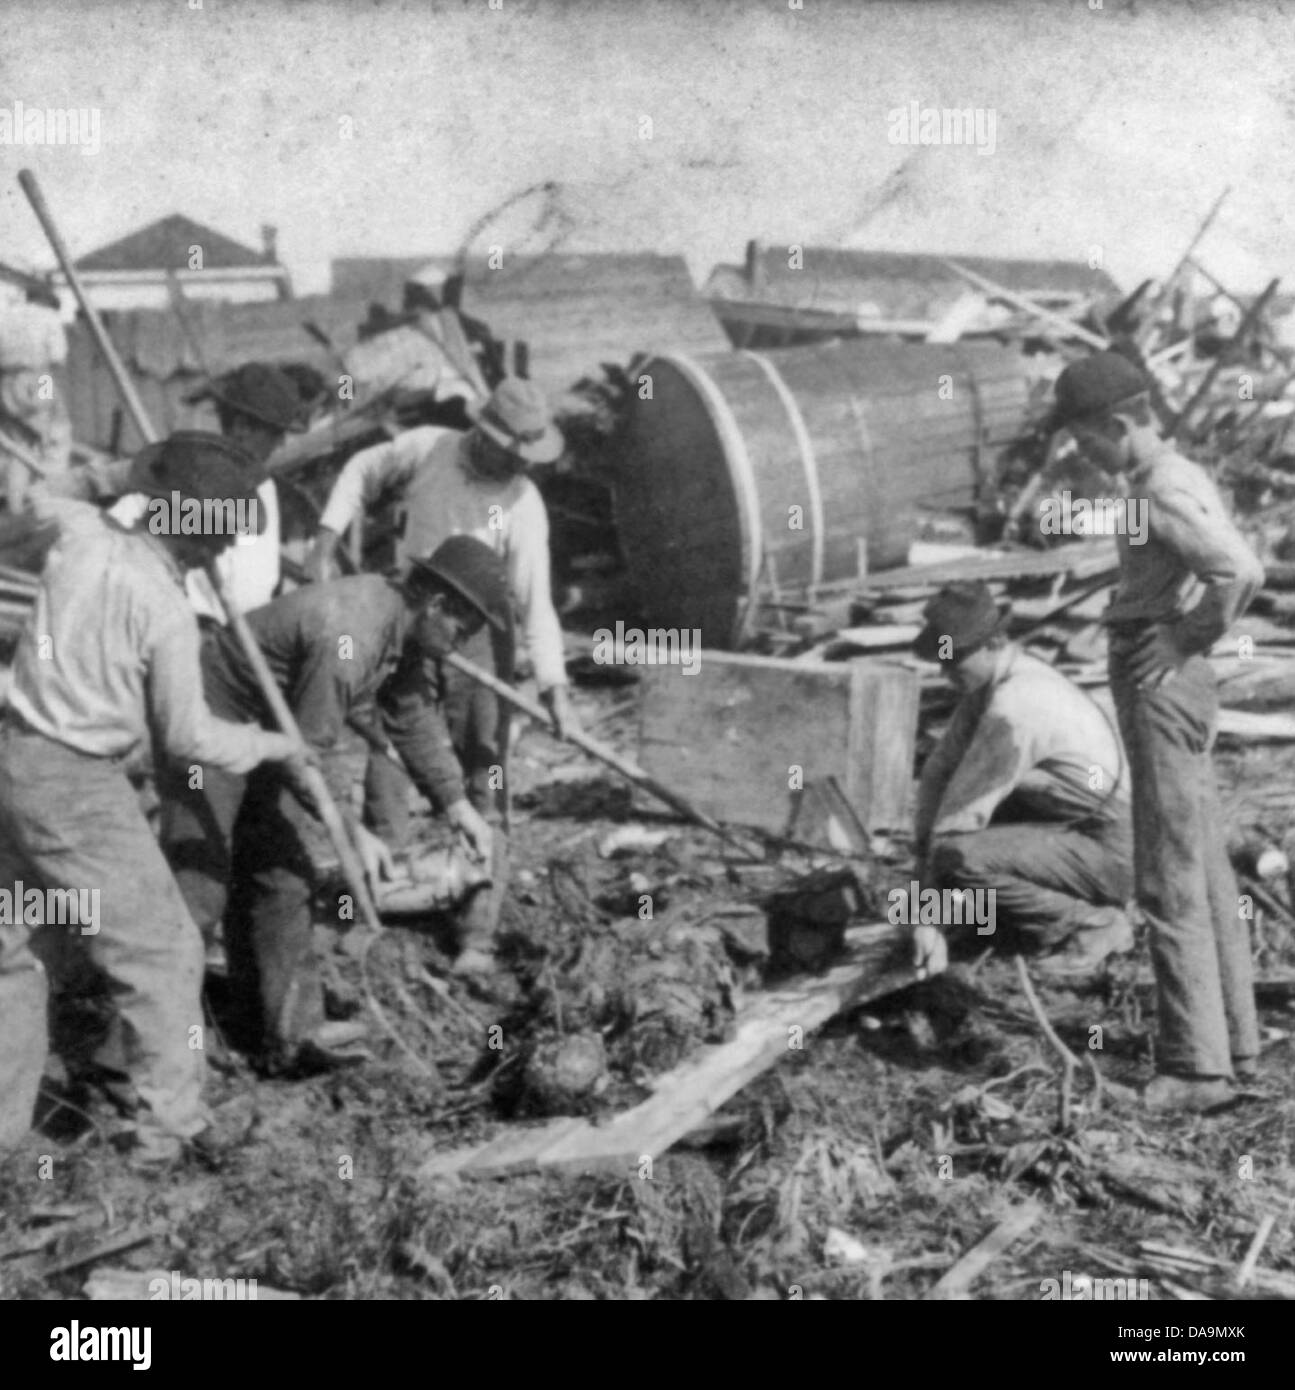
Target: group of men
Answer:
pixel 1035 793
pixel 130 651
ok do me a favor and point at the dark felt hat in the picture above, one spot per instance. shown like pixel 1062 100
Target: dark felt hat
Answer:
pixel 474 571
pixel 260 391
pixel 966 614
pixel 200 467
pixel 1094 384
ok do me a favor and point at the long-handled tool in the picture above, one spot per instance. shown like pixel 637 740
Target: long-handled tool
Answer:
pixel 316 785
pixel 627 769
pixel 28 460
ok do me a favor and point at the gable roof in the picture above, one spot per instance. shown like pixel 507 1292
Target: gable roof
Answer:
pixel 165 245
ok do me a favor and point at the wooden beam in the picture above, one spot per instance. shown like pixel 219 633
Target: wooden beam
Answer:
pixel 1066 327
pixel 1248 321
pixel 877 963
pixel 1167 288
pixel 1081 561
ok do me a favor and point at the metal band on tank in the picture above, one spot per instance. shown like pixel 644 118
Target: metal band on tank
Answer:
pixel 808 458
pixel 861 424
pixel 740 461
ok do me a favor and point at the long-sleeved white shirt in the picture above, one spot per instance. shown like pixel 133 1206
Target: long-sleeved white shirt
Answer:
pixel 442 498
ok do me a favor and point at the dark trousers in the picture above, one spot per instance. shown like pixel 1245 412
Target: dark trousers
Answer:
pixel 1045 878
pixel 252 833
pixel 1200 943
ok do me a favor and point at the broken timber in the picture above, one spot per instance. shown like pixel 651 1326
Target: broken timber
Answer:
pixel 1083 561
pixel 876 963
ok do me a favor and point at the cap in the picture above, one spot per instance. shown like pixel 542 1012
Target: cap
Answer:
pixel 966 614
pixel 1094 384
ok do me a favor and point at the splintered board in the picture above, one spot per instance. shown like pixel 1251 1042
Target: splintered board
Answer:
pixel 877 961
pixel 737 736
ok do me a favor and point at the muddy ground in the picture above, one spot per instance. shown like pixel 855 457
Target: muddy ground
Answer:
pixel 862 1166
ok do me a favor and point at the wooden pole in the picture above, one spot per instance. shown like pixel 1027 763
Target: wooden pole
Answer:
pixel 601 751
pixel 329 813
pixel 1251 317
pixel 1167 288
pixel 124 384
pixel 314 778
pixel 1019 301
pixel 28 461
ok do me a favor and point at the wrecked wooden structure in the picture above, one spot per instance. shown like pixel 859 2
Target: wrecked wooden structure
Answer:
pixel 781 296
pixel 746 478
pixel 575 313
pixel 169 354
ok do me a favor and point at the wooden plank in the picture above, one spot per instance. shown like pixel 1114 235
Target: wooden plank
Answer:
pixel 972 1265
pixel 1088 558
pixel 881 750
pixel 1257 728
pixel 729 737
pixel 876 963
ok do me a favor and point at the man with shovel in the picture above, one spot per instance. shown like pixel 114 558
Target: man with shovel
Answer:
pixel 108 664
pixel 475 484
pixel 332 649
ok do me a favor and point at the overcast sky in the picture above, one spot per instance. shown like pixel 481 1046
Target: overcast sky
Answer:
pixel 1113 127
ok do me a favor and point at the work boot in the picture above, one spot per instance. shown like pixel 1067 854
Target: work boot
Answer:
pixel 1105 932
pixel 1169 1094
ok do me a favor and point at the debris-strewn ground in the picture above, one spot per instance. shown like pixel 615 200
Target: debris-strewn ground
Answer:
pixel 862 1166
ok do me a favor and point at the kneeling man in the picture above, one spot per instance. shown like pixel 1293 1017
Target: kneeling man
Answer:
pixel 1027 793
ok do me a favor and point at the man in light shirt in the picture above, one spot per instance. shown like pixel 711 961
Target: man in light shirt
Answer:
pixel 1027 793
pixel 107 666
pixel 472 483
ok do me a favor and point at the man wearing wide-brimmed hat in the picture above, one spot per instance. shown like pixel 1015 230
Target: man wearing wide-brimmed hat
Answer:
pixel 107 666
pixel 1027 793
pixel 472 483
pixel 334 648
pixel 1183 583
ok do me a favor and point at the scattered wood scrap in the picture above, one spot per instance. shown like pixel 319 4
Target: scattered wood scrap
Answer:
pixel 877 963
pixel 954 1282
pixel 1203 1276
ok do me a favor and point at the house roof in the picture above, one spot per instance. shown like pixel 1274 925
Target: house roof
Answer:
pixel 893 285
pixel 166 245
